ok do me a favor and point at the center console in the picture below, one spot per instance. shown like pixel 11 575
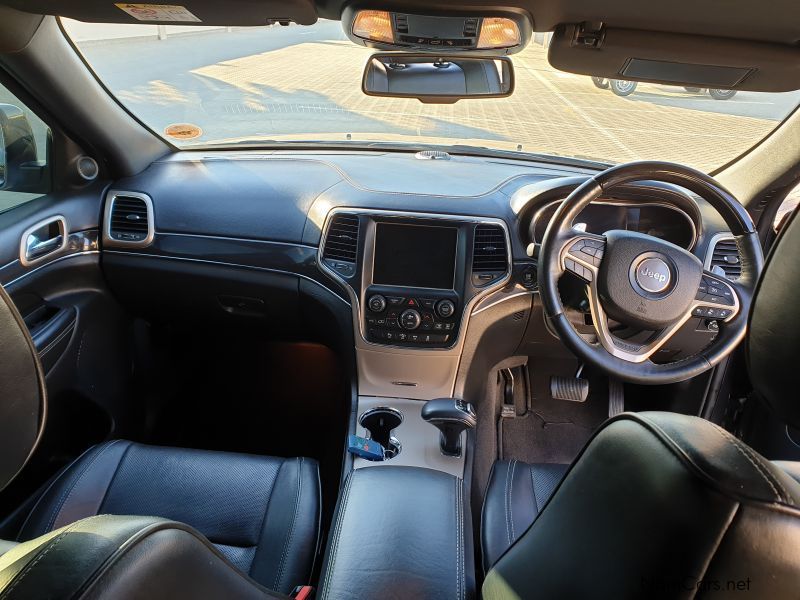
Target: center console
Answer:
pixel 414 275
pixel 413 280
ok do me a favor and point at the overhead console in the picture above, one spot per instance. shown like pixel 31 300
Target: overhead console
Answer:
pixel 414 277
pixel 498 32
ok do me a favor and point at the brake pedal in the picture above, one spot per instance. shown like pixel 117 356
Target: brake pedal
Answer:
pixel 616 397
pixel 574 389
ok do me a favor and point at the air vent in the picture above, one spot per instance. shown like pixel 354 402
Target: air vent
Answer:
pixel 726 257
pixel 489 255
pixel 470 27
pixel 341 244
pixel 401 23
pixel 129 219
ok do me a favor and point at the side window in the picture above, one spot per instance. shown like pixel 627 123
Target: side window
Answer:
pixel 787 207
pixel 24 143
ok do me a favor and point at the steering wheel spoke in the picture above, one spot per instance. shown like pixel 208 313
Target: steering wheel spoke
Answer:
pixel 624 349
pixel 582 254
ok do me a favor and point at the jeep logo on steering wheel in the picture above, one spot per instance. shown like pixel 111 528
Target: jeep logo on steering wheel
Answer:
pixel 653 274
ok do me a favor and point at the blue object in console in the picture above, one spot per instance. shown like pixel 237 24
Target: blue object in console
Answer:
pixel 365 448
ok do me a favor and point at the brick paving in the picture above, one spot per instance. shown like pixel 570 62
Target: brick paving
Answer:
pixel 285 94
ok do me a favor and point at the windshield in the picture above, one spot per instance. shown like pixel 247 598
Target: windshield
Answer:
pixel 204 86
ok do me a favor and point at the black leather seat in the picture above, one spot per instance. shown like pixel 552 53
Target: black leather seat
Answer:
pixel 662 505
pixel 261 512
pixel 174 523
pixel 516 493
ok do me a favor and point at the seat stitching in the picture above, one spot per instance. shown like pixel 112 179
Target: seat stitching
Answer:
pixel 67 493
pixel 463 541
pixel 533 489
pixel 458 542
pixel 771 481
pixel 511 502
pixel 52 544
pixel 339 520
pixel 264 518
pixel 505 501
pixel 113 478
pixel 460 567
pixel 288 543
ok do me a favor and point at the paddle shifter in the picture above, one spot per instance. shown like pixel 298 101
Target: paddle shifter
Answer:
pixel 452 416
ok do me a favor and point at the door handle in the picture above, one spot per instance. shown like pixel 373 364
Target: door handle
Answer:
pixel 42 240
pixel 36 248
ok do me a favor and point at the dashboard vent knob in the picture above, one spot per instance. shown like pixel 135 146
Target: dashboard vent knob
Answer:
pixel 726 257
pixel 489 255
pixel 341 244
pixel 129 219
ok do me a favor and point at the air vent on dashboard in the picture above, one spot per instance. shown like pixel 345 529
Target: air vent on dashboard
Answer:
pixel 341 244
pixel 129 219
pixel 489 255
pixel 725 255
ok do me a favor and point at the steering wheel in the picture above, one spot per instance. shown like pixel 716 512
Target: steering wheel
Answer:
pixel 646 283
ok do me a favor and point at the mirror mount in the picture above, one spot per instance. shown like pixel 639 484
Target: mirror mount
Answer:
pixel 437 79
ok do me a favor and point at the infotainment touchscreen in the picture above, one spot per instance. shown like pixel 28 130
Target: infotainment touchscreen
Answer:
pixel 415 256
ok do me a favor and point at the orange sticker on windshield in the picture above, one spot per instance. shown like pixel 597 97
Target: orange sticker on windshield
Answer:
pixel 183 131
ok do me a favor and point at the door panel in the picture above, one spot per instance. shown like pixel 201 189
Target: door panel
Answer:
pixel 81 332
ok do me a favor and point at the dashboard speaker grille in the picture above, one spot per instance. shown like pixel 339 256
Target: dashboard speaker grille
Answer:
pixel 490 254
pixel 129 219
pixel 726 257
pixel 342 240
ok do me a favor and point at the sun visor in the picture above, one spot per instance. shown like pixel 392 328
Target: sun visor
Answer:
pixel 675 59
pixel 181 12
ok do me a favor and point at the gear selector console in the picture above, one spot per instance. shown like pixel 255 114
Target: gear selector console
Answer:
pixel 452 416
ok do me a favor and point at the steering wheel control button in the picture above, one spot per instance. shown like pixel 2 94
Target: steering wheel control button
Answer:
pixel 653 275
pixel 715 292
pixel 445 309
pixel 377 303
pixel 710 312
pixel 410 319
pixel 587 250
pixel 578 269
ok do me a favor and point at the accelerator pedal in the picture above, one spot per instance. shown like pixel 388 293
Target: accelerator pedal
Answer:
pixel 616 397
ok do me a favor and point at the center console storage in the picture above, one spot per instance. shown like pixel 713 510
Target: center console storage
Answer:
pixel 400 532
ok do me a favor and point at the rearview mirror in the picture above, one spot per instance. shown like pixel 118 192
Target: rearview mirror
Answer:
pixel 437 79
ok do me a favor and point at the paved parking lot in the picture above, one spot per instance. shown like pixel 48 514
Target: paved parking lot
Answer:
pixel 304 83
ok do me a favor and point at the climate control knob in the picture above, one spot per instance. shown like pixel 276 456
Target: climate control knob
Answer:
pixel 445 308
pixel 410 319
pixel 377 303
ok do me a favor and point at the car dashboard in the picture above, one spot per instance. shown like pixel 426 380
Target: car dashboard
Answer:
pixel 418 269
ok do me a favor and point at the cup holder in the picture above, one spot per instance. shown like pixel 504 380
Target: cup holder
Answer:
pixel 380 422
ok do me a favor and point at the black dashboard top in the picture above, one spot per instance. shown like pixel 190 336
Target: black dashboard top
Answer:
pixel 285 196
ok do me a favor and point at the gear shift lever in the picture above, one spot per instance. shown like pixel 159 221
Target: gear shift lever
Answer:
pixel 451 416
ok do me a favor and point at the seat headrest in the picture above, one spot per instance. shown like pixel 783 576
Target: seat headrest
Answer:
pixel 23 396
pixel 773 346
